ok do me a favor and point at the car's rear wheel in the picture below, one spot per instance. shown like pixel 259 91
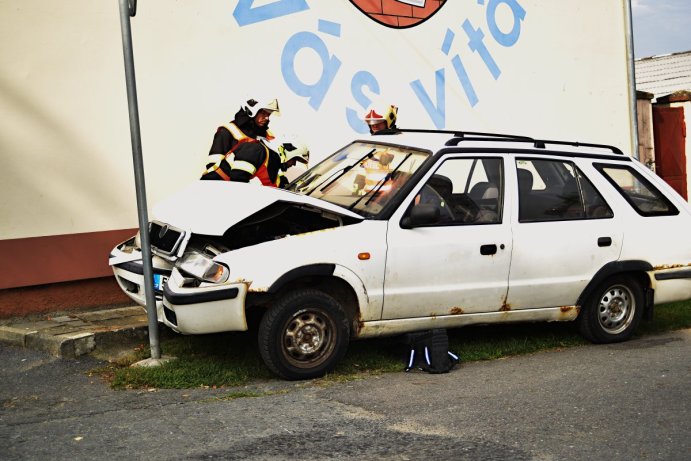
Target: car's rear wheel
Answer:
pixel 613 311
pixel 304 335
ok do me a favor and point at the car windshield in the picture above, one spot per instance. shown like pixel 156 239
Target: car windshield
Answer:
pixel 362 177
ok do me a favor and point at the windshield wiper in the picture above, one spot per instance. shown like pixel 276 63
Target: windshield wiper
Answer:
pixel 342 172
pixel 373 192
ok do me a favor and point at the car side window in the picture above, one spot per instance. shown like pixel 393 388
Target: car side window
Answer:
pixel 645 198
pixel 465 191
pixel 554 190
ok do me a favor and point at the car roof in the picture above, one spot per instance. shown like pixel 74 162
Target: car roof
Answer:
pixel 441 141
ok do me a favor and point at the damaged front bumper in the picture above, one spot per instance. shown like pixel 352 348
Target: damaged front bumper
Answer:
pixel 186 305
pixel 126 262
pixel 208 308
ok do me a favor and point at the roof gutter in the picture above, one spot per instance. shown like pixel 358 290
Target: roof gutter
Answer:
pixel 631 73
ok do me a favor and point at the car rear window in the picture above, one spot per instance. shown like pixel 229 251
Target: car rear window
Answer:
pixel 556 190
pixel 641 194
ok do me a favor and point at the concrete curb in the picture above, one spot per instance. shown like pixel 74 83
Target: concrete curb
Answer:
pixel 81 333
pixel 15 336
pixel 70 345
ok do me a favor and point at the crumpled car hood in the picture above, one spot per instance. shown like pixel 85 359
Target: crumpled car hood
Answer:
pixel 211 207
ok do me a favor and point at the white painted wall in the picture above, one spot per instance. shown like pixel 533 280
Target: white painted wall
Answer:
pixel 65 153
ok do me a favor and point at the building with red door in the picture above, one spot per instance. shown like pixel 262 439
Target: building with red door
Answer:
pixel 666 82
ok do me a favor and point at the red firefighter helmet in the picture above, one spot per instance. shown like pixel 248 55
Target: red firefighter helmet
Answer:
pixel 388 115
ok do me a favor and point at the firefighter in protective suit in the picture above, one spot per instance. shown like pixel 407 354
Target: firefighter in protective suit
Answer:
pixel 257 160
pixel 260 161
pixel 380 119
pixel 242 139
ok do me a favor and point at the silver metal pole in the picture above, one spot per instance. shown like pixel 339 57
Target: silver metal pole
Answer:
pixel 632 80
pixel 128 9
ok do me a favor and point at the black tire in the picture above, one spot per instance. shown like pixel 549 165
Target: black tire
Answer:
pixel 304 335
pixel 613 311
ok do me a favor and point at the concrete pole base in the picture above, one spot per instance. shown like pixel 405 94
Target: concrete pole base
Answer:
pixel 150 362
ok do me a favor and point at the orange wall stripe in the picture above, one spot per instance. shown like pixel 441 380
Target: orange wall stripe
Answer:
pixel 57 258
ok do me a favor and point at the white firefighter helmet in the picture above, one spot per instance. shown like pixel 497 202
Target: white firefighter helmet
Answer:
pixel 252 106
pixel 386 114
pixel 296 149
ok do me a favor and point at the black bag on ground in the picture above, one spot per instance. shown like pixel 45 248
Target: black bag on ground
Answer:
pixel 429 351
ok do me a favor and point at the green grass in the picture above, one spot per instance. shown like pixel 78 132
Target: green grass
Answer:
pixel 232 359
pixel 668 317
pixel 229 359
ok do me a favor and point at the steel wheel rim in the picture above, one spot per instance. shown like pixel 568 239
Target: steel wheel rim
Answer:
pixel 308 338
pixel 616 309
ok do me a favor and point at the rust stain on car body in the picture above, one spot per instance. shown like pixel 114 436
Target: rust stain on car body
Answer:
pixel 312 232
pixel 670 266
pixel 249 284
pixel 358 323
pixel 505 306
pixel 456 311
pixel 569 312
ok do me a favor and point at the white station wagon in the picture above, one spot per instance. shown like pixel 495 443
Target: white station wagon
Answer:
pixel 413 230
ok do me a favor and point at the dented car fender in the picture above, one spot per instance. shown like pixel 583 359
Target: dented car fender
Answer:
pixel 265 266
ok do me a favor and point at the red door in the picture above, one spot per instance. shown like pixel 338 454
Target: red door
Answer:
pixel 669 131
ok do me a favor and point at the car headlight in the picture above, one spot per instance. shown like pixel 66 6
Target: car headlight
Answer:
pixel 202 267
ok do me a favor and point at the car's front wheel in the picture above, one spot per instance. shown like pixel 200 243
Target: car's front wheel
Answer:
pixel 304 335
pixel 613 311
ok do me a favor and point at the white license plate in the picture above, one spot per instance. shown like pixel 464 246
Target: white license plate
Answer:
pixel 159 281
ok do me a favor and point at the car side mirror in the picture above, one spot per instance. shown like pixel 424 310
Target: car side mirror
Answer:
pixel 420 215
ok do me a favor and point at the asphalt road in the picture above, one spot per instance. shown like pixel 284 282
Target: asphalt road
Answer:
pixel 629 401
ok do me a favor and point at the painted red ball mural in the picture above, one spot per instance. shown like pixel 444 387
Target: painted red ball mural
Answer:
pixel 399 14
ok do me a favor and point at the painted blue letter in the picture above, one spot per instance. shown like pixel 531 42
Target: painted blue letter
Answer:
pixel 476 44
pixel 438 112
pixel 245 13
pixel 465 80
pixel 360 80
pixel 330 65
pixel 511 38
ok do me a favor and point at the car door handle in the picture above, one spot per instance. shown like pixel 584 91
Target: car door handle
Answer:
pixel 604 241
pixel 488 250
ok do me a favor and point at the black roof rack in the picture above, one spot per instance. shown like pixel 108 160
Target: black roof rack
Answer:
pixel 456 134
pixel 459 136
pixel 540 144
